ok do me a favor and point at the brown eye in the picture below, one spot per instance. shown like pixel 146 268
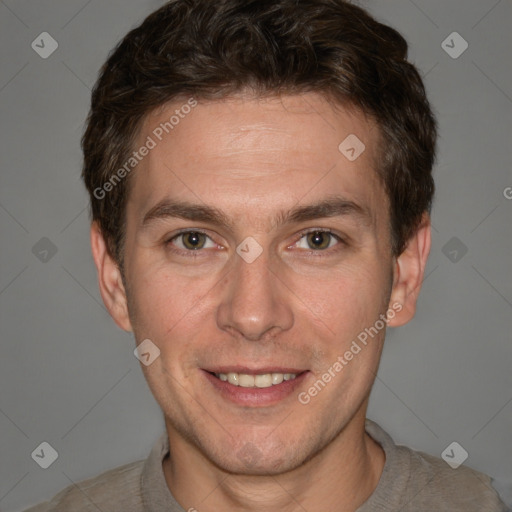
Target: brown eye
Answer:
pixel 191 240
pixel 319 239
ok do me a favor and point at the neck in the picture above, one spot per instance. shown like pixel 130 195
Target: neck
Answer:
pixel 339 478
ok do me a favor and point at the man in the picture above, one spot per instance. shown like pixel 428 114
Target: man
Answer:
pixel 260 182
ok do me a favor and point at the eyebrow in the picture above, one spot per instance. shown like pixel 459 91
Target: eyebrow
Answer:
pixel 330 207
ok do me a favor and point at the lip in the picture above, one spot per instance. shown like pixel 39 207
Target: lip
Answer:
pixel 255 397
pixel 253 371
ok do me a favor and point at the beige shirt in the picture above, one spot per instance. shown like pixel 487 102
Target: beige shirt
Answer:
pixel 411 481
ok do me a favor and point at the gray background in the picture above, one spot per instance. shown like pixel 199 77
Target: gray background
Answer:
pixel 67 373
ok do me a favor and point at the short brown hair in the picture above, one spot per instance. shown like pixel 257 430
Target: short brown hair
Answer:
pixel 213 49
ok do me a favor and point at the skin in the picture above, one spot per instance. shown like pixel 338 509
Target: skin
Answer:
pixel 295 306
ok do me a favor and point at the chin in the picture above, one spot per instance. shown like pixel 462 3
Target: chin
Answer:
pixel 250 461
pixel 253 458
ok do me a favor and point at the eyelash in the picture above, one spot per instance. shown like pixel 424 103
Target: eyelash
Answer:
pixel 317 253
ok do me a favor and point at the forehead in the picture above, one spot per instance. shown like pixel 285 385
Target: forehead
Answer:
pixel 255 155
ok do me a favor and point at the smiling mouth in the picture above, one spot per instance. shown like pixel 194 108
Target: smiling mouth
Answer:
pixel 264 380
pixel 262 387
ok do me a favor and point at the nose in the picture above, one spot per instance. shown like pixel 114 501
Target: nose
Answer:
pixel 254 302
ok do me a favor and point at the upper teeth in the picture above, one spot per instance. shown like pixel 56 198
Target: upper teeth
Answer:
pixel 259 381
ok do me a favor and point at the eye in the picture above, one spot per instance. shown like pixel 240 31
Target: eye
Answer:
pixel 191 241
pixel 318 240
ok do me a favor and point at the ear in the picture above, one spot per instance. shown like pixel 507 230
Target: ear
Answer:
pixel 110 281
pixel 408 274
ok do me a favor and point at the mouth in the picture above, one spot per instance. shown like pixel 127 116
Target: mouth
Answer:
pixel 255 387
pixel 260 380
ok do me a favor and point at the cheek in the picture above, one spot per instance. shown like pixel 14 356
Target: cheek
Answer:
pixel 347 299
pixel 163 304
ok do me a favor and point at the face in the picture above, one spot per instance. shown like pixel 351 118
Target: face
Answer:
pixel 257 252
